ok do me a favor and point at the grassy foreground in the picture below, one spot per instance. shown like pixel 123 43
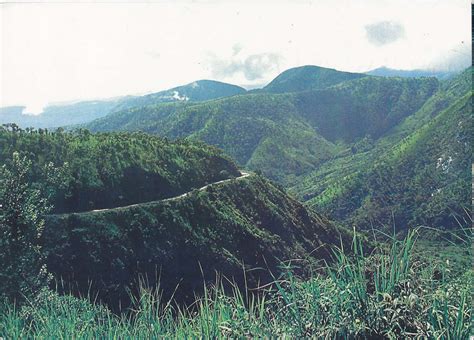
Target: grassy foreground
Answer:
pixel 389 293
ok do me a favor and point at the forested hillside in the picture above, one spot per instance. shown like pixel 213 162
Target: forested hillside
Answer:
pixel 417 174
pixel 240 224
pixel 325 143
pixel 283 135
pixel 106 170
pixel 197 91
pixel 308 77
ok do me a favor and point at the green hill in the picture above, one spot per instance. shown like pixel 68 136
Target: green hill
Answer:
pixel 403 178
pixel 308 78
pixel 242 223
pixel 197 91
pixel 283 135
pixel 107 170
pixel 129 204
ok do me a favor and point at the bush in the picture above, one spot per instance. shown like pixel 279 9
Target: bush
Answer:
pixel 23 269
pixel 388 294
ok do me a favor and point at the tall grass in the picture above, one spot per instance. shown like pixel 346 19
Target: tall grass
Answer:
pixel 385 294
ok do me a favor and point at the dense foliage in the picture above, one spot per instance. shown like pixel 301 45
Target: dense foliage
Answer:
pixel 392 293
pixel 308 78
pixel 283 135
pixel 419 173
pixel 109 170
pixel 143 222
pixel 236 224
pixel 22 209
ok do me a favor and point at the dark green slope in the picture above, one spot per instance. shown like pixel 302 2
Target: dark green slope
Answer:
pixel 364 107
pixel 245 127
pixel 308 78
pixel 107 170
pixel 241 221
pixel 398 179
pixel 355 156
pixel 284 135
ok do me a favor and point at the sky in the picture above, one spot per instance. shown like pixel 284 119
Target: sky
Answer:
pixel 64 51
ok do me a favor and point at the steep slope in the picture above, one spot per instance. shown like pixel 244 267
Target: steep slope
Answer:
pixel 396 179
pixel 283 135
pixel 200 90
pixel 364 107
pixel 108 170
pixel 308 77
pixel 243 223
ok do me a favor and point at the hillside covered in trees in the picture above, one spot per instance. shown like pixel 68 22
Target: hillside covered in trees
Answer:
pixel 161 221
pixel 108 170
pixel 243 229
pixel 283 135
pixel 418 173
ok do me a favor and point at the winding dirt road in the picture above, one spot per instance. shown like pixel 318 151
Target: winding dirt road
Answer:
pixel 243 174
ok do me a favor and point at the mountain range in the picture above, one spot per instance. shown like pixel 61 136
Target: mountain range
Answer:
pixel 177 184
pixel 319 132
pixel 314 130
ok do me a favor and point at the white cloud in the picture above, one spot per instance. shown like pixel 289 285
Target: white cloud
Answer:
pixel 384 32
pixel 65 51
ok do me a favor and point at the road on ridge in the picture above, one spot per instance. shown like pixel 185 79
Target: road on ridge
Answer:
pixel 243 174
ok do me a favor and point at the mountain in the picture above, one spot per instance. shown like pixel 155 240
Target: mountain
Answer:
pixel 82 112
pixel 390 72
pixel 308 78
pixel 283 135
pixel 108 170
pixel 242 223
pixel 200 90
pixel 130 206
pixel 416 174
pixel 58 115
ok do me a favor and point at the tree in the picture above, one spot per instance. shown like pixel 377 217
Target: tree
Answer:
pixel 22 207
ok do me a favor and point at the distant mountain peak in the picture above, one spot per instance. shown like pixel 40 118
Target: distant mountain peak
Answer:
pixel 309 77
pixel 385 71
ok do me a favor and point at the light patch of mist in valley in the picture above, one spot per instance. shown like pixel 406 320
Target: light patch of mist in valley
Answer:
pixel 34 109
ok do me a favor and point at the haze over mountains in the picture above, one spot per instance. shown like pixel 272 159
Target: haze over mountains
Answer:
pixel 293 80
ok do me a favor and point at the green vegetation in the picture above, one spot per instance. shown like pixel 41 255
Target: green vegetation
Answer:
pixel 197 91
pixel 418 174
pixel 308 78
pixel 126 234
pixel 109 170
pixel 388 294
pixel 22 208
pixel 242 223
pixel 283 135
